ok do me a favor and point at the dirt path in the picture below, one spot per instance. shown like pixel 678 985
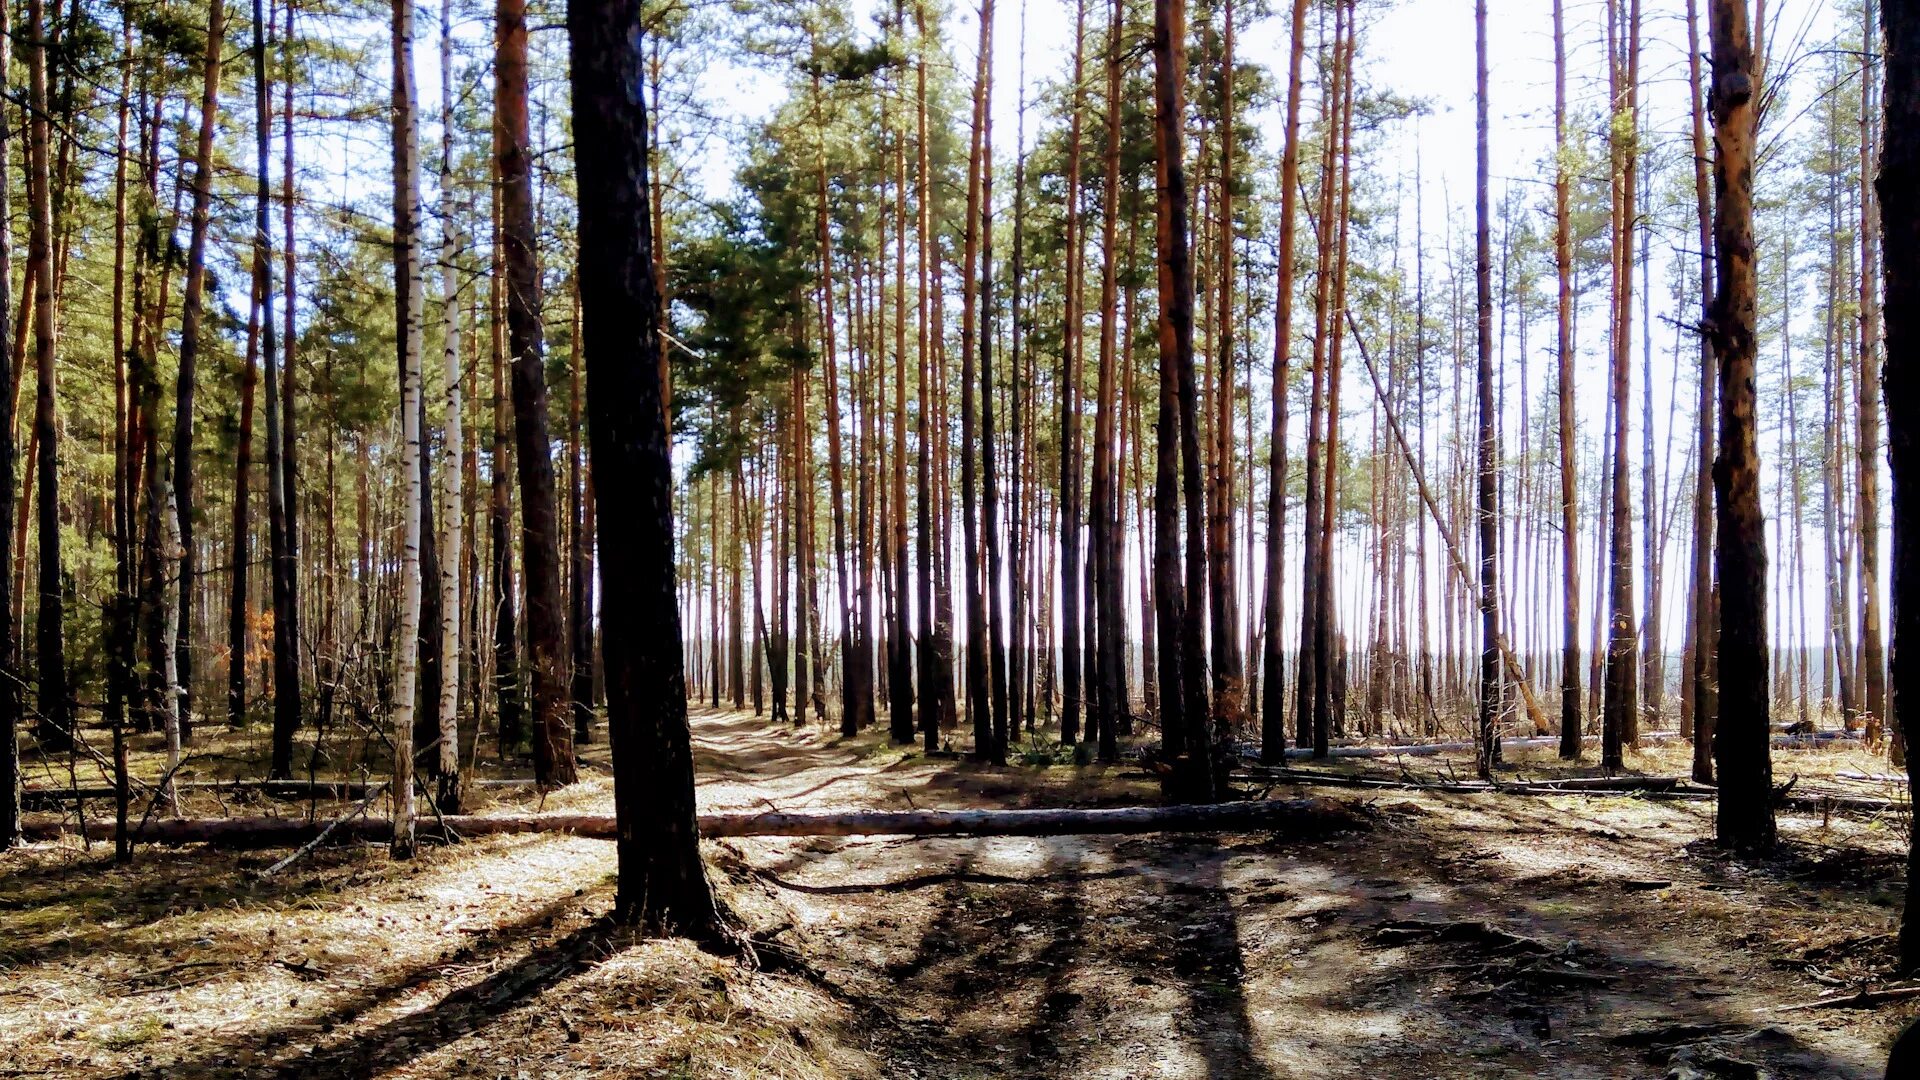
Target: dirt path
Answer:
pixel 1458 936
pixel 1578 937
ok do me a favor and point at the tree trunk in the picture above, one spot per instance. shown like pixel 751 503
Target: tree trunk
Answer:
pixel 409 304
pixel 1189 738
pixel 1705 630
pixel 553 759
pixel 508 709
pixel 662 883
pixel 283 568
pixel 1622 680
pixel 186 499
pixel 1742 750
pixel 1570 710
pixel 1273 708
pixel 1899 189
pixel 10 710
pixel 900 654
pixel 979 709
pixel 1485 512
pixel 1229 685
pixel 1071 578
pixel 242 532
pixel 1873 662
pixel 447 796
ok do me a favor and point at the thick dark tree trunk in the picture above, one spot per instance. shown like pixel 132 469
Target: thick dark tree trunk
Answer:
pixel 1742 749
pixel 1899 190
pixel 1191 738
pixel 662 883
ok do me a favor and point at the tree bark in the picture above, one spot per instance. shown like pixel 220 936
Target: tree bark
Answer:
pixel 1190 739
pixel 1898 186
pixel 1741 748
pixel 1570 709
pixel 283 567
pixel 1485 512
pixel 1704 613
pixel 409 303
pixel 448 793
pixel 553 759
pixel 190 318
pixel 662 883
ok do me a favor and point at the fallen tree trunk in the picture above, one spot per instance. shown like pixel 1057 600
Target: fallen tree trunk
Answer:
pixel 1651 787
pixel 1809 739
pixel 43 797
pixel 1304 817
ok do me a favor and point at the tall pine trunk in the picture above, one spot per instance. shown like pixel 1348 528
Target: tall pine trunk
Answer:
pixel 1191 737
pixel 1487 486
pixel 1899 190
pixel 1742 743
pixel 191 316
pixel 1570 710
pixel 1273 707
pixel 662 883
pixel 553 759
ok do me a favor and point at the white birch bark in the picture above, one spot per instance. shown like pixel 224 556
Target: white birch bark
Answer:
pixel 449 793
pixel 406 168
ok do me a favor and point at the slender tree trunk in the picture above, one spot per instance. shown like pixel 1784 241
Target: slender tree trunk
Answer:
pixel 1486 513
pixel 448 794
pixel 1705 610
pixel 190 319
pixel 10 705
pixel 1873 662
pixel 1071 620
pixel 508 709
pixel 900 676
pixel 238 613
pixel 553 759
pixel 1623 675
pixel 1742 745
pixel 50 637
pixel 1229 674
pixel 979 710
pixel 410 301
pixel 1273 715
pixel 1570 710
pixel 283 567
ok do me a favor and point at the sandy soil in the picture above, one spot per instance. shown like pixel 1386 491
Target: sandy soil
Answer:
pixel 1457 935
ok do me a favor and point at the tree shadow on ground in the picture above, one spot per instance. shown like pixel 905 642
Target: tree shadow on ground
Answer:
pixel 390 1044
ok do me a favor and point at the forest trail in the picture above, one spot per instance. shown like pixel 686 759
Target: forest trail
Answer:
pixel 1459 935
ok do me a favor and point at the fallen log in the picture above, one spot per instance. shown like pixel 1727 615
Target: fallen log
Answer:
pixel 1301 817
pixel 1651 787
pixel 41 797
pixel 1461 746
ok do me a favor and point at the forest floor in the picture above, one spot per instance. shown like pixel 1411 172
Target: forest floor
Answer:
pixel 1459 934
